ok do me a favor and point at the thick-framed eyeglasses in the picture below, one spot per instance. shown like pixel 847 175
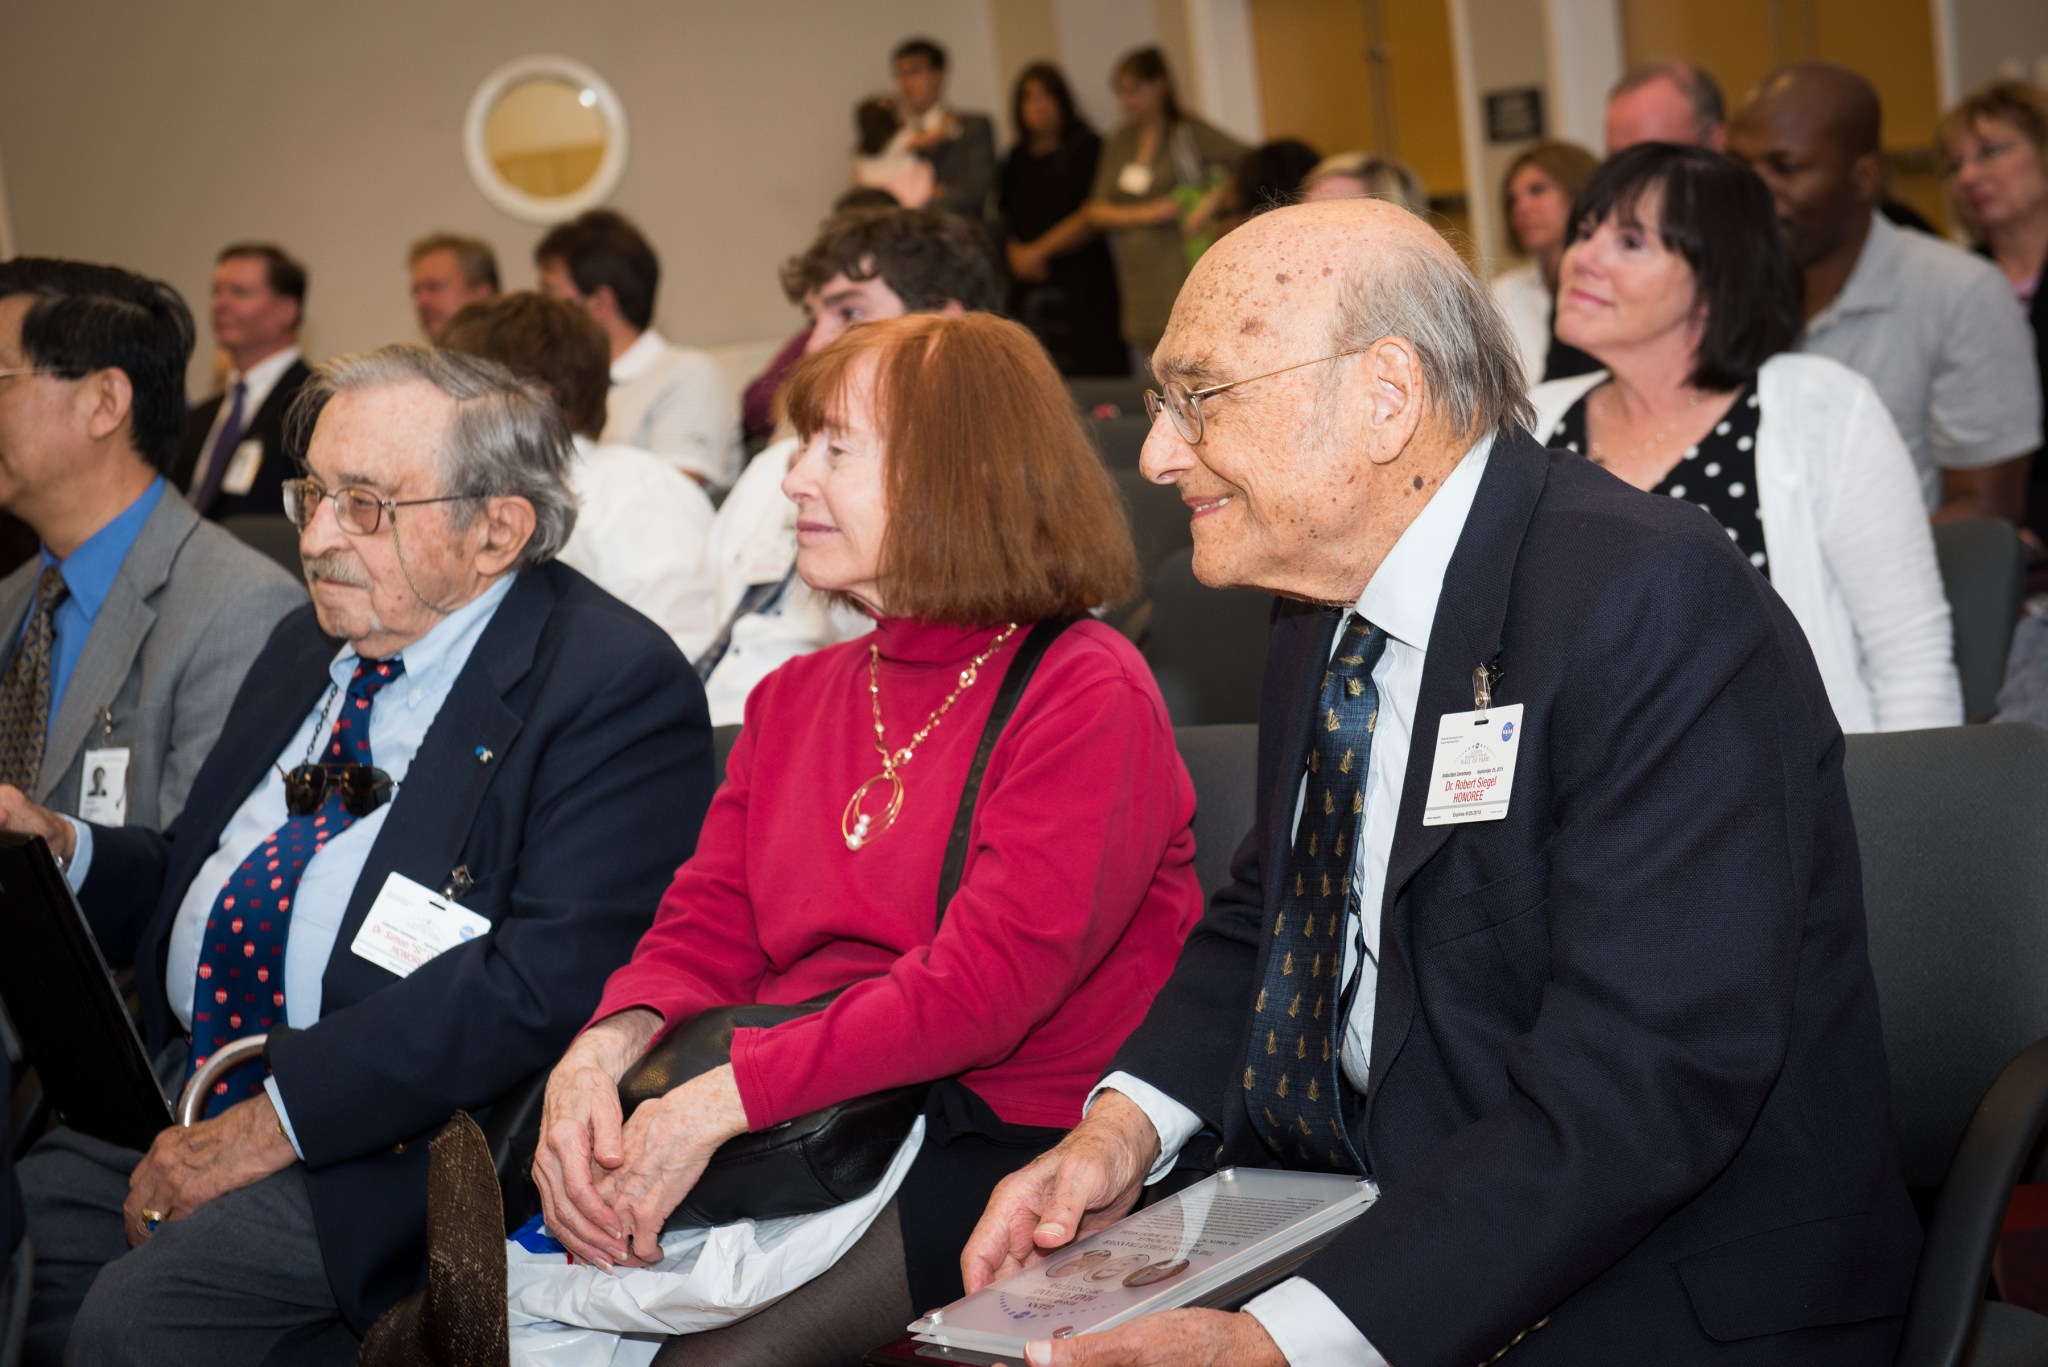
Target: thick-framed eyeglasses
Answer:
pixel 362 788
pixel 357 510
pixel 1184 405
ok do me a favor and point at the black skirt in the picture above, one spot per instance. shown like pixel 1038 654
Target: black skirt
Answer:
pixel 968 1148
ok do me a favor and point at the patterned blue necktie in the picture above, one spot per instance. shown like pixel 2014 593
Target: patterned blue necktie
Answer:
pixel 241 960
pixel 1293 1090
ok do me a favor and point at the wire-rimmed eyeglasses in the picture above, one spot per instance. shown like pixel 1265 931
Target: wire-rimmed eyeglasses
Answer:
pixel 1184 405
pixel 357 510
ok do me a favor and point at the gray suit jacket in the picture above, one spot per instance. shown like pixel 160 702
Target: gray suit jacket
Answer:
pixel 189 610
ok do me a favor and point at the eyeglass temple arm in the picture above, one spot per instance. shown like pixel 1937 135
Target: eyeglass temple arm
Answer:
pixel 1268 374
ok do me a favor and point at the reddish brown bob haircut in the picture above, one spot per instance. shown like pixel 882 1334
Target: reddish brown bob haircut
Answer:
pixel 999 509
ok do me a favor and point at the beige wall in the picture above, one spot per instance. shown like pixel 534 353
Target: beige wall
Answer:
pixel 151 135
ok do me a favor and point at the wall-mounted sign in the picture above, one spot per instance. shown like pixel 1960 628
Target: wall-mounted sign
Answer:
pixel 1514 115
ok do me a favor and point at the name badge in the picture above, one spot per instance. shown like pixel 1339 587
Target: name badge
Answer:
pixel 103 787
pixel 409 925
pixel 240 476
pixel 1473 771
pixel 1135 178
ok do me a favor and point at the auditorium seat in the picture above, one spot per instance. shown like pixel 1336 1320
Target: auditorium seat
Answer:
pixel 1108 397
pixel 1207 647
pixel 722 739
pixel 1119 440
pixel 1983 571
pixel 271 533
pixel 1159 520
pixel 1955 885
pixel 1223 762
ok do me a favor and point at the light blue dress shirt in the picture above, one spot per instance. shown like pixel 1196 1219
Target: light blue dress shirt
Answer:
pixel 89 574
pixel 399 719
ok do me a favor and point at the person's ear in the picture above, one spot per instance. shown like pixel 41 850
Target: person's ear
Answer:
pixel 106 402
pixel 1867 175
pixel 508 525
pixel 1389 391
pixel 953 309
pixel 603 304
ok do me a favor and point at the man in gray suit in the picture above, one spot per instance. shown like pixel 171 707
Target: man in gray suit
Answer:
pixel 126 638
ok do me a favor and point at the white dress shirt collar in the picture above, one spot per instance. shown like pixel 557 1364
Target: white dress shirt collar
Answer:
pixel 446 646
pixel 639 358
pixel 259 380
pixel 1402 594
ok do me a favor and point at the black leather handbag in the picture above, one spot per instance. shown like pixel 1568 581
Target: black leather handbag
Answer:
pixel 839 1153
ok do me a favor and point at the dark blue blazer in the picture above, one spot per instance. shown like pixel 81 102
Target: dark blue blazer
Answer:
pixel 1627 1080
pixel 568 772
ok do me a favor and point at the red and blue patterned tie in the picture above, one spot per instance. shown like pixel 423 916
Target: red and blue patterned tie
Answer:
pixel 241 960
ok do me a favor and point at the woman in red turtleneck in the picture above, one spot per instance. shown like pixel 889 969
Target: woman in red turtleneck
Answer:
pixel 945 485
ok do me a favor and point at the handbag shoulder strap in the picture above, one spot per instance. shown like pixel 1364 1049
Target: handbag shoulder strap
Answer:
pixel 1022 666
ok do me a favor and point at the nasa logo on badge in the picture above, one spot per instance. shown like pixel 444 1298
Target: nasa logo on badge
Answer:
pixel 1507 732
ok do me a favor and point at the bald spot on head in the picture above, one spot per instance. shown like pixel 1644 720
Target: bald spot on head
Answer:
pixel 1266 295
pixel 1819 102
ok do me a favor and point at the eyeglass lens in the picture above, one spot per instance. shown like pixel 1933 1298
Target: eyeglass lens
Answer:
pixel 357 512
pixel 1181 406
pixel 362 788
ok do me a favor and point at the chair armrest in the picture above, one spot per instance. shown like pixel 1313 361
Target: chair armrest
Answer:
pixel 1955 1260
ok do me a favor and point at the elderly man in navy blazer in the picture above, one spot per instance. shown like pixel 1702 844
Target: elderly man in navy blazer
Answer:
pixel 1605 1034
pixel 412 859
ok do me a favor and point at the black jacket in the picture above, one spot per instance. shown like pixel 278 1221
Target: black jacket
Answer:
pixel 267 425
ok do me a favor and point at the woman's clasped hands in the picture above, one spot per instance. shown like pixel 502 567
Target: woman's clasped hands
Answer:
pixel 607 1184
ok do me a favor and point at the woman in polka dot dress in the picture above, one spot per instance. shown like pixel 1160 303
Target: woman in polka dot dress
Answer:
pixel 1676 282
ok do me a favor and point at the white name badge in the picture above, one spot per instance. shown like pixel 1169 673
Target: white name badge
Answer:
pixel 1135 178
pixel 240 476
pixel 103 787
pixel 409 925
pixel 1473 770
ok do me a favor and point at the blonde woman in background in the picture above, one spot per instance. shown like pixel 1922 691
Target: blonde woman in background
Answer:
pixel 1536 204
pixel 1365 175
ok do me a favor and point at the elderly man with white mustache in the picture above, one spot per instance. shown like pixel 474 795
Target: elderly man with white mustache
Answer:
pixel 410 862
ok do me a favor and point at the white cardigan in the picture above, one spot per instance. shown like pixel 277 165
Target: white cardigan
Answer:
pixel 1525 299
pixel 1846 533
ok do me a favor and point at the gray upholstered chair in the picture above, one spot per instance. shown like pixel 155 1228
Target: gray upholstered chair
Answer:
pixel 1207 647
pixel 1953 827
pixel 1223 762
pixel 1983 571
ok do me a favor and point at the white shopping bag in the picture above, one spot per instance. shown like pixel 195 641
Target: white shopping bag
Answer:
pixel 568 1314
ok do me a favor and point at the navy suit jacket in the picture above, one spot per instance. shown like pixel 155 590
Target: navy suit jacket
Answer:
pixel 568 772
pixel 265 425
pixel 1626 1069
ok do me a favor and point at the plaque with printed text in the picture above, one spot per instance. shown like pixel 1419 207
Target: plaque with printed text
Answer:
pixel 1216 1242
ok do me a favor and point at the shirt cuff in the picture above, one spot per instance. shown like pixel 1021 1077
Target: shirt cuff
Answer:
pixel 81 852
pixel 284 1119
pixel 1175 1123
pixel 1309 1329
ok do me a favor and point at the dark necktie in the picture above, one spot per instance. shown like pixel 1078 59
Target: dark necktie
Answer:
pixel 223 451
pixel 25 690
pixel 241 959
pixel 1293 1089
pixel 757 598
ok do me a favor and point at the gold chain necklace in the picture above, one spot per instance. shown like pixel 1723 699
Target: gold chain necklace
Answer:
pixel 1642 448
pixel 858 826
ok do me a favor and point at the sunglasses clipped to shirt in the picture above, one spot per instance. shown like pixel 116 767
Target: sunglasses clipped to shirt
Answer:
pixel 362 788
